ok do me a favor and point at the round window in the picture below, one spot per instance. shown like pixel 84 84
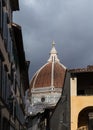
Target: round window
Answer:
pixel 42 99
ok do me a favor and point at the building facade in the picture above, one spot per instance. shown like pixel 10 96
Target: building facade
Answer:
pixel 74 111
pixel 60 118
pixel 81 91
pixel 13 69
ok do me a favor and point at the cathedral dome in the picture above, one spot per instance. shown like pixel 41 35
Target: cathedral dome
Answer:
pixel 46 84
pixel 51 75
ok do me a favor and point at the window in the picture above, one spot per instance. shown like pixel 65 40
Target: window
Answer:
pixel 85 84
pixel 9 45
pixel 0 15
pixel 9 11
pixel 0 120
pixel 81 92
pixel 4 82
pixel 6 125
pixel 8 90
pixel 5 29
pixel 1 72
pixel 12 128
pixel 0 77
pixel 85 91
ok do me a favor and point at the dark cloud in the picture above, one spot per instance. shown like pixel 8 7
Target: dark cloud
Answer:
pixel 68 22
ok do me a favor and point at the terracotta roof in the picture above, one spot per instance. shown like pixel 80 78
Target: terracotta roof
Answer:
pixel 42 78
pixel 59 74
pixel 81 70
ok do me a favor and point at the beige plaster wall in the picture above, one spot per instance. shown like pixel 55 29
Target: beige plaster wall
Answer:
pixel 77 104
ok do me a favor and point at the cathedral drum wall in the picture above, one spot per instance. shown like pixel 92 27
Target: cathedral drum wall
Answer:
pixel 77 104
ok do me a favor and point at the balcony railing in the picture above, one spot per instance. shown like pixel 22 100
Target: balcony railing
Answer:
pixel 83 128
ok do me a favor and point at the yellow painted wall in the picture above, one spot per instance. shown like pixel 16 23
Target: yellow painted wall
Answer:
pixel 77 104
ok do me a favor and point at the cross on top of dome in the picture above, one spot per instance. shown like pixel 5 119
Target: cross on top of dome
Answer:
pixel 53 54
pixel 53 44
pixel 53 50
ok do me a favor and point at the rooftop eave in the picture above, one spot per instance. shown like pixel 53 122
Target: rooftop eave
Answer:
pixel 89 68
pixel 14 5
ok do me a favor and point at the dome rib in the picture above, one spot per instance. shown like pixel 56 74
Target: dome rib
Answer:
pixel 52 74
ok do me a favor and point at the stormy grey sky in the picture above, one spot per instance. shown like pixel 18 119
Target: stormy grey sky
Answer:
pixel 68 22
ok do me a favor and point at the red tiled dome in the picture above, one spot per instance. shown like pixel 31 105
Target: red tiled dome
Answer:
pixel 42 78
pixel 51 74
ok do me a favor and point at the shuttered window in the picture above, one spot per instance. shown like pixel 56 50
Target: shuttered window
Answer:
pixel 0 15
pixel 0 77
pixel 5 29
pixel 9 46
